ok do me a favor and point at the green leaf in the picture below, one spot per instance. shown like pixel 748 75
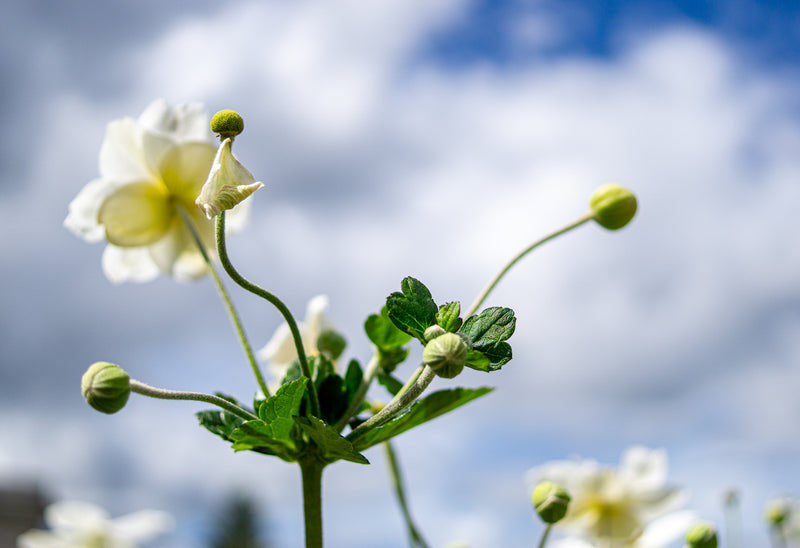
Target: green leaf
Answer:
pixel 419 412
pixel 220 423
pixel 478 360
pixel 390 359
pixel 390 383
pixel 487 331
pixel 447 317
pixel 332 398
pixel 413 310
pixel 383 333
pixel 352 379
pixel 331 444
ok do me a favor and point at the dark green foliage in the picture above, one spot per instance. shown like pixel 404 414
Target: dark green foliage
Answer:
pixel 237 525
pixel 488 331
pixel 413 310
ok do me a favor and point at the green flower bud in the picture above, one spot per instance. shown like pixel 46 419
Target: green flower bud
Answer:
pixel 446 355
pixel 702 535
pixel 776 512
pixel 106 387
pixel 551 501
pixel 432 332
pixel 227 123
pixel 613 206
pixel 331 344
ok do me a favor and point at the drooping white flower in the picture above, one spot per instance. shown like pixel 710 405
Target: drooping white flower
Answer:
pixel 613 506
pixel 280 351
pixel 149 168
pixel 228 183
pixel 75 524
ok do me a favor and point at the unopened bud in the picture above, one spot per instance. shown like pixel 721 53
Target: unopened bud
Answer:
pixel 777 511
pixel 106 387
pixel 702 535
pixel 551 501
pixel 227 123
pixel 613 206
pixel 432 332
pixel 446 355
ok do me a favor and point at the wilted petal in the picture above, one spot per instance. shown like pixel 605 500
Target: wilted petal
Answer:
pixel 129 264
pixel 228 183
pixel 136 214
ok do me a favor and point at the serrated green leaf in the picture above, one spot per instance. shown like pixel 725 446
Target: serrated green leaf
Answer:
pixel 488 331
pixel 421 411
pixel 220 423
pixel 413 310
pixel 331 444
pixel 447 317
pixel 256 436
pixel 382 332
pixel 477 360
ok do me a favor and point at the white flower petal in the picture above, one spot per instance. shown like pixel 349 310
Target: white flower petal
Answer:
pixel 122 156
pixel 136 214
pixel 143 525
pixel 316 319
pixel 132 264
pixel 237 218
pixel 183 123
pixel 643 467
pixel 74 515
pixel 570 542
pixel 40 539
pixel 280 349
pixel 228 183
pixel 176 252
pixel 82 217
pixel 661 532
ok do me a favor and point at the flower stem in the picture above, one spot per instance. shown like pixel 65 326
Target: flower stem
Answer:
pixel 159 393
pixel 545 534
pixel 311 473
pixel 222 251
pixel 491 285
pixel 226 298
pixel 369 375
pixel 401 400
pixel 397 481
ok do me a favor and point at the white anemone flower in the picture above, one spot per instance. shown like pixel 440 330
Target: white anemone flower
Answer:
pixel 149 168
pixel 280 351
pixel 660 533
pixel 613 506
pixel 75 524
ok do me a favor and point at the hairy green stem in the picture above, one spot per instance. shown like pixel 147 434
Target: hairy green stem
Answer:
pixel 491 285
pixel 417 541
pixel 545 534
pixel 159 393
pixel 222 251
pixel 401 400
pixel 369 375
pixel 237 322
pixel 311 473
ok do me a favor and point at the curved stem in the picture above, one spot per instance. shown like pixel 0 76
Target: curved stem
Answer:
pixel 491 285
pixel 401 400
pixel 237 322
pixel 417 541
pixel 311 473
pixel 369 375
pixel 159 393
pixel 545 534
pixel 222 251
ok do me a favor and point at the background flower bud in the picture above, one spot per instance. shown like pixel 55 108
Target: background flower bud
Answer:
pixel 227 123
pixel 551 501
pixel 106 387
pixel 702 535
pixel 446 355
pixel 776 512
pixel 613 206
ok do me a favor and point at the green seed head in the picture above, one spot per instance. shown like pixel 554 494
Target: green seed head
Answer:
pixel 551 501
pixel 227 123
pixel 702 535
pixel 106 387
pixel 446 355
pixel 613 206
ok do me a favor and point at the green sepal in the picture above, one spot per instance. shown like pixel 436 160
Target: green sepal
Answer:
pixel 447 317
pixel 488 331
pixel 332 446
pixel 419 412
pixel 413 310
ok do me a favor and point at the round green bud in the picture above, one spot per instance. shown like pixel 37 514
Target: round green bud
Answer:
pixel 331 344
pixel 613 206
pixel 446 355
pixel 227 123
pixel 432 332
pixel 776 512
pixel 702 535
pixel 106 387
pixel 551 501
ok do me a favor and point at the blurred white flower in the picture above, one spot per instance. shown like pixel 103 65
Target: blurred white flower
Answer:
pixel 784 515
pixel 228 183
pixel 659 533
pixel 81 525
pixel 280 351
pixel 614 506
pixel 150 167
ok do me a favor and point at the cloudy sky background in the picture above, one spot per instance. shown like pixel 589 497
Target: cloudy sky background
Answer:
pixel 433 139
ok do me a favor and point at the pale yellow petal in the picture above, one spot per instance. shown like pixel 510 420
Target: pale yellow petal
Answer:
pixel 136 214
pixel 228 183
pixel 185 168
pixel 176 253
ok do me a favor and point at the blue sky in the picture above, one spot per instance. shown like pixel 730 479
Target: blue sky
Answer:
pixel 366 123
